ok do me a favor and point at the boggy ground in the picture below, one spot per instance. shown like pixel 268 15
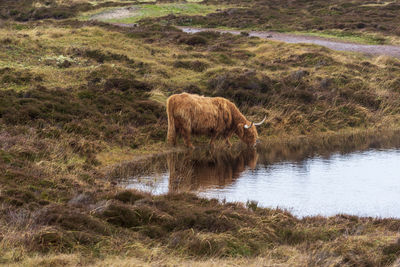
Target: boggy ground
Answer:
pixel 78 96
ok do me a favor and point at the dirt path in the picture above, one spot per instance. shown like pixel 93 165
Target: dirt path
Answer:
pixel 117 13
pixel 388 50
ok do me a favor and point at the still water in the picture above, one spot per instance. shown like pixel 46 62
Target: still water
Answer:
pixel 363 183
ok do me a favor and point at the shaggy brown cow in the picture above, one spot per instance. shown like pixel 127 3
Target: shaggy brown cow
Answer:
pixel 213 116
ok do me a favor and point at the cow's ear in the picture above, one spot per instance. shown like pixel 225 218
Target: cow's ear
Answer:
pixel 240 129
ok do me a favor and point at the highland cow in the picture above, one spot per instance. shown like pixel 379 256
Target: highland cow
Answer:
pixel 212 116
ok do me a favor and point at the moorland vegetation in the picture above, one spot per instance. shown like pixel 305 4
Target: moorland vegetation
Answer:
pixel 78 96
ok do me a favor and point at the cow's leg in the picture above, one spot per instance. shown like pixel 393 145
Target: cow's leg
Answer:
pixel 172 136
pixel 227 141
pixel 211 144
pixel 186 138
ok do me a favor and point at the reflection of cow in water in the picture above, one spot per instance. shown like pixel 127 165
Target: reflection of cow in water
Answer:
pixel 203 169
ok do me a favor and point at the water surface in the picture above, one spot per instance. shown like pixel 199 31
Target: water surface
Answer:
pixel 365 183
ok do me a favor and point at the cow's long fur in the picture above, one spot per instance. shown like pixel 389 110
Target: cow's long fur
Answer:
pixel 212 116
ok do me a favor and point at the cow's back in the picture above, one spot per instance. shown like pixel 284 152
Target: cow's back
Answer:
pixel 199 114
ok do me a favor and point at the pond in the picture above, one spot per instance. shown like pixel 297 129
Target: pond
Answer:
pixel 362 183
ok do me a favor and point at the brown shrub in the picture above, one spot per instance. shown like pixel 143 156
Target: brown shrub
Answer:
pixel 129 216
pixel 69 219
pixel 130 196
pixel 367 99
pixel 125 84
pixel 242 86
pixel 52 239
pixel 390 253
pixel 193 40
pixel 195 65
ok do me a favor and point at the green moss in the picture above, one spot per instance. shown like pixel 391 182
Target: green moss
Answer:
pixel 350 36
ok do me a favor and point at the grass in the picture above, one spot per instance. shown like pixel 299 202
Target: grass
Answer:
pixel 181 228
pixel 354 21
pixel 125 72
pixel 79 97
pixel 355 37
pixel 192 14
pixel 29 10
pixel 160 10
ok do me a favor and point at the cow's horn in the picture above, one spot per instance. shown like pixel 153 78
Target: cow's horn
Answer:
pixel 247 126
pixel 261 122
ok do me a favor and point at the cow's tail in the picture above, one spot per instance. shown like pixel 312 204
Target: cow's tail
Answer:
pixel 171 136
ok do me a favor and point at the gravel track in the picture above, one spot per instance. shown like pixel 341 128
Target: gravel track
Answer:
pixel 387 50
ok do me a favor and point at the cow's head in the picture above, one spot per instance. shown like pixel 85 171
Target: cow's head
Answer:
pixel 248 132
